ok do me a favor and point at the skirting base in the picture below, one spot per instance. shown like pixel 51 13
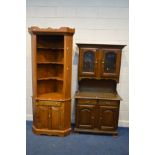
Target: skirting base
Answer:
pixel 114 133
pixel 51 132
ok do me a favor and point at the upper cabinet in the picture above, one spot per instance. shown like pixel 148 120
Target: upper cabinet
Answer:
pixel 99 61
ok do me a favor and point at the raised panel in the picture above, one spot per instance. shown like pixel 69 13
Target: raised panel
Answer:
pixel 85 116
pixel 55 120
pixel 108 118
pixel 41 117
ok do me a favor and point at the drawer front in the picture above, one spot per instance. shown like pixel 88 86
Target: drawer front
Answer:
pixel 109 103
pixel 50 103
pixel 85 101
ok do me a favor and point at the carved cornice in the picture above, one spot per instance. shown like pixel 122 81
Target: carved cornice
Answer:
pixel 35 30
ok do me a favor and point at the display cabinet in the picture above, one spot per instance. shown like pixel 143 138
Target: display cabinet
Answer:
pixel 51 77
pixel 99 61
pixel 97 101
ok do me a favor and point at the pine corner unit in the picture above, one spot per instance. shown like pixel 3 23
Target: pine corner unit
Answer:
pixel 97 101
pixel 51 79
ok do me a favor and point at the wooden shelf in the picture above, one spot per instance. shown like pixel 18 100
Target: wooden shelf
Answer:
pixel 97 95
pixel 44 63
pixel 50 96
pixel 50 48
pixel 51 78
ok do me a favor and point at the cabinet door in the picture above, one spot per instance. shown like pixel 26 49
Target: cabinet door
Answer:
pixel 55 118
pixel 110 62
pixel 41 116
pixel 88 62
pixel 85 116
pixel 108 117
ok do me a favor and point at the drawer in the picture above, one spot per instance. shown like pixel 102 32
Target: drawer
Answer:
pixel 85 101
pixel 108 103
pixel 50 103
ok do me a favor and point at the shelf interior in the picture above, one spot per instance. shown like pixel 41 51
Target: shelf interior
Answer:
pixel 50 88
pixel 92 85
pixel 49 96
pixel 50 68
pixel 50 41
pixel 50 56
pixel 49 71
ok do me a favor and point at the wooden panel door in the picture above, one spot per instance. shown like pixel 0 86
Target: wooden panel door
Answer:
pixel 85 116
pixel 108 117
pixel 56 118
pixel 88 62
pixel 41 117
pixel 110 62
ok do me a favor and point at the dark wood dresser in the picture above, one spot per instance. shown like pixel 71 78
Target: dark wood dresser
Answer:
pixel 97 101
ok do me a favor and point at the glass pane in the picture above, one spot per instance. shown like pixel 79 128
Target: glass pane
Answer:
pixel 88 61
pixel 110 62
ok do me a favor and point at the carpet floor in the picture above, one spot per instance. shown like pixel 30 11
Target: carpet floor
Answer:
pixel 77 144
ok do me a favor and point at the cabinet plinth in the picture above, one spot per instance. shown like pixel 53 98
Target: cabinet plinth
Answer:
pixel 97 101
pixel 51 69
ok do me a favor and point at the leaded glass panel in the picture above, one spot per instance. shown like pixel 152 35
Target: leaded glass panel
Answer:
pixel 88 61
pixel 110 62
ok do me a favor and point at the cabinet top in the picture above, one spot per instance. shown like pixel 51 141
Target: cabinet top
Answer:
pixel 63 30
pixel 86 45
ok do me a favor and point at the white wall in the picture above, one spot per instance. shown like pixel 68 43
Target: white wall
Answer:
pixel 95 21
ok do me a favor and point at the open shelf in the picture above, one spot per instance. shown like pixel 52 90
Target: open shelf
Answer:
pixel 50 41
pixel 51 78
pixel 50 56
pixel 92 85
pixel 48 48
pixel 52 71
pixel 58 63
pixel 49 96
pixel 49 89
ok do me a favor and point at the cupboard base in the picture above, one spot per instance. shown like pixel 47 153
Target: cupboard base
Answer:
pixel 51 132
pixel 96 131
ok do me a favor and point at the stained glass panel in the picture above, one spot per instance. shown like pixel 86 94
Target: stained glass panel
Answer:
pixel 88 61
pixel 110 62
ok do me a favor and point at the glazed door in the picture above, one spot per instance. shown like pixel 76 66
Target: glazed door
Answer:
pixel 108 117
pixel 88 62
pixel 56 118
pixel 110 62
pixel 85 116
pixel 41 117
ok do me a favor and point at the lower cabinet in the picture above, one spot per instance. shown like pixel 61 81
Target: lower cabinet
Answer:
pixel 51 119
pixel 100 116
pixel 85 116
pixel 48 117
